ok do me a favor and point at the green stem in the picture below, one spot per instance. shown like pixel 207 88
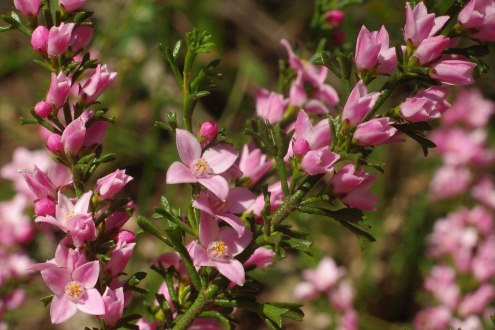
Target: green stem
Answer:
pixel 187 101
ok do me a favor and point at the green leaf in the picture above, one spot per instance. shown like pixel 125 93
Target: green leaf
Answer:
pixel 416 132
pixel 275 312
pixel 152 229
pixel 46 300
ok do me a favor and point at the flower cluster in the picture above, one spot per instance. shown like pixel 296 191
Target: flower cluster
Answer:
pixel 462 243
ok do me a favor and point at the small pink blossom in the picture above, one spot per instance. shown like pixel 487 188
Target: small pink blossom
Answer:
pixel 28 7
pixel 73 136
pixel 254 164
pixel 353 187
pixel 59 90
pixel 470 108
pixel 54 143
pixel 359 104
pixel 276 199
pixel 420 25
pixel 453 70
pixel 217 248
pixel 477 301
pixel 114 305
pixel 477 16
pixel 43 109
pixel 202 167
pixel 208 131
pixel 72 5
pixel 119 257
pixel 375 132
pixel 426 104
pixel 261 258
pixel 270 105
pixel 449 181
pixel 44 207
pixel 373 52
pixel 59 39
pixel 111 184
pixel 97 83
pixel 309 73
pixel 39 39
pixel 334 17
pixel 313 96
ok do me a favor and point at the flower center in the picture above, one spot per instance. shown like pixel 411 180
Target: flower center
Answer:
pixel 69 216
pixel 217 250
pixel 200 167
pixel 74 290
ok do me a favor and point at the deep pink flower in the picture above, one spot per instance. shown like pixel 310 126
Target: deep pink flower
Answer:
pixel 238 200
pixel 205 167
pixel 114 305
pixel 208 131
pixel 74 290
pixel 112 184
pixel 375 132
pixel 426 104
pixel 477 16
pixel 359 103
pixel 217 248
pixel 44 207
pixel 28 7
pixel 59 39
pixel 253 164
pixel 353 187
pixel 73 136
pixel 420 25
pixel 59 90
pixel 97 83
pixel 373 52
pixel 54 143
pixel 43 109
pixel 71 5
pixel 270 105
pixel 453 70
pixel 39 39
pixel 334 17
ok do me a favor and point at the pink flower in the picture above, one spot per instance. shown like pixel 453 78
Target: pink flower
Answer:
pixel 342 297
pixel 426 104
pixel 484 191
pixel 319 161
pixel 453 70
pixel 375 132
pixel 71 5
pixel 28 7
pixel 120 255
pixel 217 248
pixel 59 90
pixel 430 49
pixel 326 274
pixel 74 290
pixel 334 17
pixel 45 185
pixel 276 199
pixel 114 305
pixel 270 105
pixel 477 16
pixel 44 207
pixel 373 52
pixel 476 302
pixel 204 168
pixel 81 37
pixel 15 225
pixel 314 96
pixel 433 318
pixel 74 135
pixel 261 258
pixel 353 187
pixel 309 72
pixel 208 131
pixel 253 164
pixel 59 39
pixel 39 39
pixel 316 136
pixel 483 265
pixel 359 103
pixel 449 181
pixel 111 184
pixel 238 200
pixel 420 25
pixel 95 133
pixel 471 108
pixel 144 324
pixel 97 83
pixel 442 283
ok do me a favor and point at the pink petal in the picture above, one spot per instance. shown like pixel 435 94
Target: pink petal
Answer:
pixel 303 126
pixel 188 146
pixel 179 173
pixel 217 185
pixel 82 205
pixel 220 158
pixel 91 303
pixel 87 274
pixel 52 221
pixel 320 135
pixel 208 229
pixel 234 243
pixel 199 255
pixel 62 309
pixel 235 222
pixel 56 279
pixel 202 203
pixel 240 199
pixel 233 270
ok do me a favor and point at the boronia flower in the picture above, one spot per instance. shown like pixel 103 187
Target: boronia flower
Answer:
pixel 420 25
pixel 373 52
pixel 359 103
pixel 203 168
pixel 253 164
pixel 217 248
pixel 270 105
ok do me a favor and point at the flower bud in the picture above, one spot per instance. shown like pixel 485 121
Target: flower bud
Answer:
pixel 81 37
pixel 208 131
pixel 43 109
pixel 112 184
pixel 121 254
pixel 59 90
pixel 334 17
pixel 59 38
pixel 125 236
pixel 28 7
pixel 71 5
pixel 39 39
pixel 453 70
pixel 375 132
pixel 300 147
pixel 73 136
pixel 44 207
pixel 54 143
pixel 114 305
pixel 97 83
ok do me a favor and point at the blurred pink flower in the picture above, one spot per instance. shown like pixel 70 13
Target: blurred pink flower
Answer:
pixel 477 16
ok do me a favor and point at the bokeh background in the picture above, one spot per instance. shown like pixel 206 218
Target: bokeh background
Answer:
pixel 387 274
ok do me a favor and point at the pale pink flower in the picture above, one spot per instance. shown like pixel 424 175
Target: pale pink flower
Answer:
pixel 253 164
pixel 433 318
pixel 217 248
pixel 97 83
pixel 420 25
pixel 319 161
pixel 453 70
pixel 373 52
pixel 111 184
pixel 426 104
pixel 59 39
pixel 238 200
pixel 74 290
pixel 472 322
pixel 342 296
pixel 470 108
pixel 15 225
pixel 326 274
pixel 477 16
pixel 203 168
pixel 483 265
pixel 46 184
pixel 321 99
pixel 449 181
pixel 144 324
pixel 477 301
pixel 28 7
pixel 270 105
pixel 114 305
pixel 430 49
pixel 442 283
pixel 484 191
pixel 359 104
pixel 375 132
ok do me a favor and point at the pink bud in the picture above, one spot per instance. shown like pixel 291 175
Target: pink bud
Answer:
pixel 44 207
pixel 125 236
pixel 54 143
pixel 43 109
pixel 116 220
pixel 114 305
pixel 453 70
pixel 375 132
pixel 28 7
pixel 73 136
pixel 82 229
pixel 430 49
pixel 39 182
pixel 59 90
pixel 81 37
pixel 334 17
pixel 112 184
pixel 59 38
pixel 270 106
pixel 39 39
pixel 426 104
pixel 71 5
pixel 300 147
pixel 121 254
pixel 208 131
